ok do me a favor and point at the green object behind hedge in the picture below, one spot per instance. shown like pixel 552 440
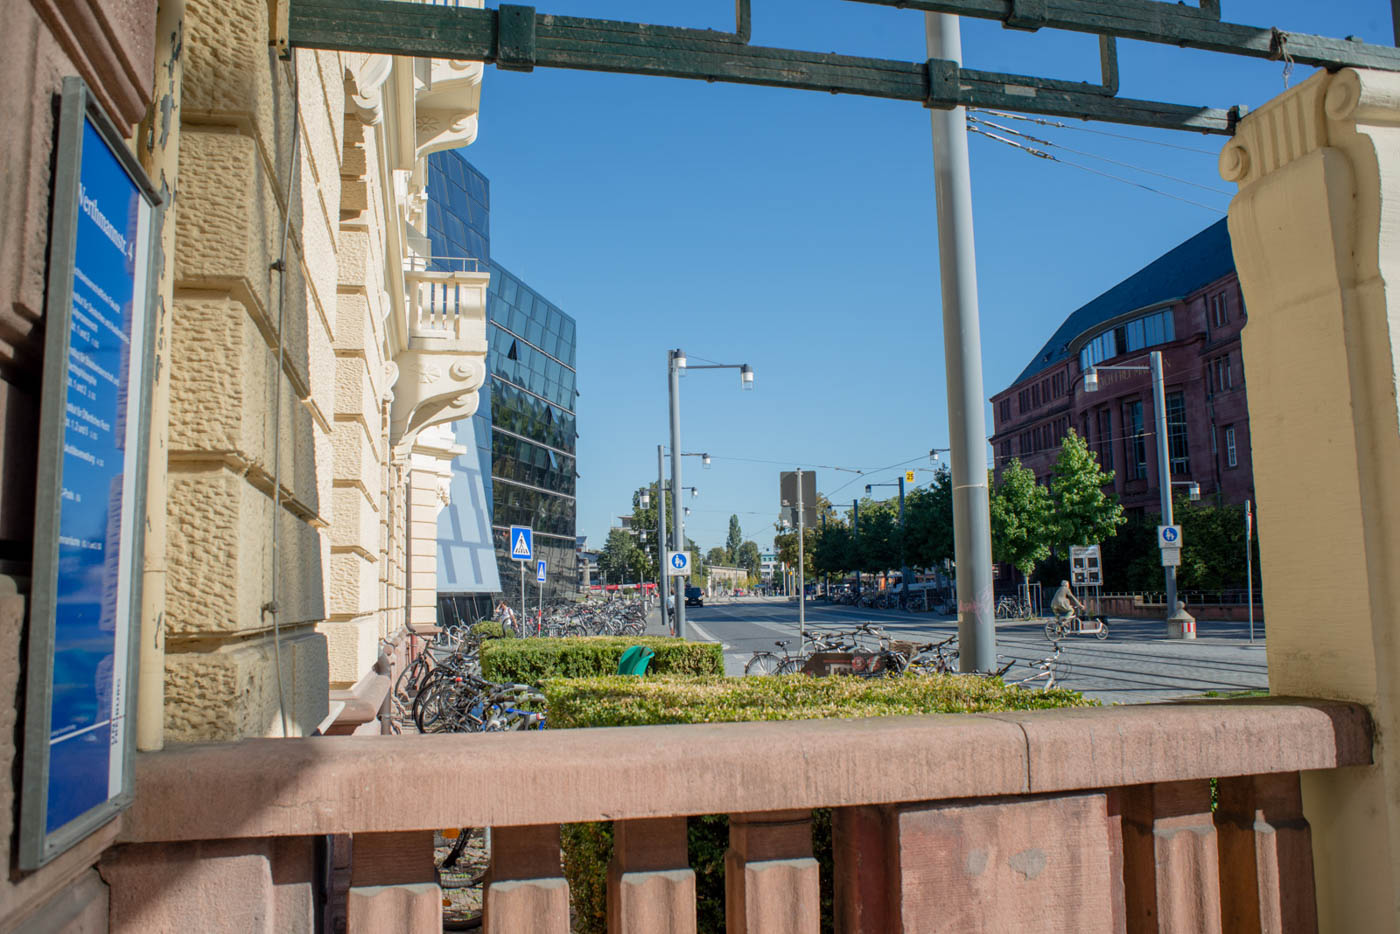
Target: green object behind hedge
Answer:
pixel 531 661
pixel 623 701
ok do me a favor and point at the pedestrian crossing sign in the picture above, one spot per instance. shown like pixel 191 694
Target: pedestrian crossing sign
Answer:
pixel 522 543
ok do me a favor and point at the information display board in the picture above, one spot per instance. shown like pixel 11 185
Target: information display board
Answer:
pixel 90 496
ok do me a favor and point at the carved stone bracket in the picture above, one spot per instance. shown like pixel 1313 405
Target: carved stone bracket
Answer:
pixel 433 388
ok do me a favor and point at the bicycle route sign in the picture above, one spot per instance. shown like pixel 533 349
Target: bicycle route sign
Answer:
pixel 678 563
pixel 522 543
pixel 540 570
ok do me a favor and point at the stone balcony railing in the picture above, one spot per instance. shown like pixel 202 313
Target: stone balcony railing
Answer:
pixel 1079 820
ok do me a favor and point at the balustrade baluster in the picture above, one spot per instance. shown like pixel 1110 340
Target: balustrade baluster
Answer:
pixel 770 877
pixel 1266 865
pixel 525 887
pixel 393 884
pixel 1171 867
pixel 651 887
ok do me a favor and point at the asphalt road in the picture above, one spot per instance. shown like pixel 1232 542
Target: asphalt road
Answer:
pixel 1135 664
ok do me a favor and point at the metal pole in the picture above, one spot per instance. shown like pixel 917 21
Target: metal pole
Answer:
pixel 801 570
pixel 661 566
pixel 522 596
pixel 903 562
pixel 677 529
pixel 962 354
pixel 1164 467
pixel 1249 559
pixel 855 533
pixel 826 575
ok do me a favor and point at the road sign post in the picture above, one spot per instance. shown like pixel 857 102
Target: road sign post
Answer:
pixel 522 549
pixel 540 568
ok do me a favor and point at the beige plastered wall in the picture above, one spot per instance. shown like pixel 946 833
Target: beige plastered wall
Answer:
pixel 1316 233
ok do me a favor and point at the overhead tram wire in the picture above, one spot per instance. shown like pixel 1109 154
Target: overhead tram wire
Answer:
pixel 1090 155
pixel 1085 129
pixel 1042 154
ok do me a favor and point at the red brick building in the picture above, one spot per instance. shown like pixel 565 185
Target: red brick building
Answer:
pixel 1186 304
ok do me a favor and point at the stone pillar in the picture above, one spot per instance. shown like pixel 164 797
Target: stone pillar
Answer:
pixel 429 485
pixel 770 877
pixel 651 887
pixel 393 884
pixel 1171 868
pixel 1266 862
pixel 865 869
pixel 525 888
pixel 241 425
pixel 1316 234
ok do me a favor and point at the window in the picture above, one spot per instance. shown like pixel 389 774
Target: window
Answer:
pixel 1105 444
pixel 1221 378
pixel 1219 311
pixel 1023 401
pixel 1024 442
pixel 1035 396
pixel 1004 411
pixel 1176 433
pixel 1004 451
pixel 1230 456
pixel 1134 441
pixel 1147 331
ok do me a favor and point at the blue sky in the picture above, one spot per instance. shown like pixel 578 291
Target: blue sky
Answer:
pixel 795 231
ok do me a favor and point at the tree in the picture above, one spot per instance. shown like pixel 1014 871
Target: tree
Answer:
pixel 750 559
pixel 877 539
pixel 1083 513
pixel 620 558
pixel 832 552
pixel 717 555
pixel 1022 525
pixel 644 522
pixel 928 522
pixel 733 542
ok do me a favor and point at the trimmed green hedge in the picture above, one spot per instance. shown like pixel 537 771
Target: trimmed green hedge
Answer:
pixel 622 701
pixel 488 629
pixel 531 661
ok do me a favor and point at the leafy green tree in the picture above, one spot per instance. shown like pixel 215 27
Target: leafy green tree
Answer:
pixel 750 559
pixel 733 542
pixel 877 539
pixel 621 559
pixel 1082 512
pixel 717 555
pixel 1022 524
pixel 833 549
pixel 644 521
pixel 928 522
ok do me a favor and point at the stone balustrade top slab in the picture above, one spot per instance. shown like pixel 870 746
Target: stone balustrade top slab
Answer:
pixel 355 784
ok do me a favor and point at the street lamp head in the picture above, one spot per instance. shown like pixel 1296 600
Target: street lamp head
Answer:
pixel 1091 380
pixel 705 461
pixel 867 489
pixel 933 455
pixel 1193 491
pixel 694 491
pixel 645 499
pixel 678 358
pixel 687 510
pixel 746 377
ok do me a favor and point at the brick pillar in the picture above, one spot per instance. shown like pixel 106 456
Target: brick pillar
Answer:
pixel 526 889
pixel 1170 865
pixel 1316 234
pixel 770 877
pixel 651 887
pixel 1266 865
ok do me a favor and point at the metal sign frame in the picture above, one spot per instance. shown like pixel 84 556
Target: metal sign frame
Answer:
pixel 37 844
pixel 516 38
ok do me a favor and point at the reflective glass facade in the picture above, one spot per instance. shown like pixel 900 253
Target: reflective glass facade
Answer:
pixel 524 428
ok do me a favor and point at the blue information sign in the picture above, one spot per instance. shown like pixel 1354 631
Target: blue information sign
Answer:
pixel 522 543
pixel 92 479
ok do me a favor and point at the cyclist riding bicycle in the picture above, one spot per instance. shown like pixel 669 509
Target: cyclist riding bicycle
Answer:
pixel 1065 603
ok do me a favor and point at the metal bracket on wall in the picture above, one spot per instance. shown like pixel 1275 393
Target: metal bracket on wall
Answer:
pixel 517 38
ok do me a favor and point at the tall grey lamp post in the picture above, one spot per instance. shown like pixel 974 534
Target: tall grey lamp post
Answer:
pixel 1164 465
pixel 675 362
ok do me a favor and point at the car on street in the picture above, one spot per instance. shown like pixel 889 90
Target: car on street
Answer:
pixel 694 596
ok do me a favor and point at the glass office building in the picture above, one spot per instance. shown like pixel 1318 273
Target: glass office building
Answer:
pixel 522 440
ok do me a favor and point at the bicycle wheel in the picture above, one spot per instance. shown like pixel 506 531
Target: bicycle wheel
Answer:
pixel 1103 629
pixel 763 663
pixel 1053 629
pixel 791 666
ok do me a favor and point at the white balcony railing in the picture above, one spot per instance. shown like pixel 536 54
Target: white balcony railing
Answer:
pixel 447 302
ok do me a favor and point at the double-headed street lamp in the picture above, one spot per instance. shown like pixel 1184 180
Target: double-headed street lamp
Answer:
pixel 1164 469
pixel 675 362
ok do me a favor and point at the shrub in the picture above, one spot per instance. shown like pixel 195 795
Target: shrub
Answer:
pixel 531 661
pixel 488 629
pixel 622 701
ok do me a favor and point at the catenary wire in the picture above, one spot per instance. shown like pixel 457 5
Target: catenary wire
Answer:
pixel 1085 129
pixel 1042 154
